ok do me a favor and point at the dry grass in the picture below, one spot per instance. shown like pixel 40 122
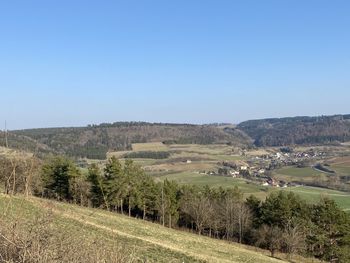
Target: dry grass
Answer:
pixel 39 240
pixel 210 149
pixel 344 161
pixel 85 230
pixel 182 167
pixel 196 248
pixel 151 146
pixel 8 152
pixel 259 152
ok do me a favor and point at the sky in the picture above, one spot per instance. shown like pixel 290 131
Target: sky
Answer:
pixel 73 63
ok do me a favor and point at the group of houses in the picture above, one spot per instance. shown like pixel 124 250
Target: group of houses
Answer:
pixel 281 158
pixel 258 168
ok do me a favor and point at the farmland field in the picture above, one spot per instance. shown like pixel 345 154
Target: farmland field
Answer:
pixel 151 146
pixel 341 165
pixel 305 174
pixel 341 169
pixel 313 194
pixel 215 181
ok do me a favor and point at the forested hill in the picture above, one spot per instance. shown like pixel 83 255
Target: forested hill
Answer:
pixel 25 143
pixel 94 141
pixel 298 130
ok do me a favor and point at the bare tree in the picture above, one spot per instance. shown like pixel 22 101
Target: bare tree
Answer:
pixel 243 219
pixel 80 189
pixel 215 223
pixel 228 211
pixel 270 237
pixel 294 239
pixel 8 174
pixel 6 139
pixel 30 171
pixel 18 173
pixel 200 209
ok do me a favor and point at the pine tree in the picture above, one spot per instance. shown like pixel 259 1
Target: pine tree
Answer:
pixel 330 235
pixel 132 174
pixel 96 190
pixel 113 184
pixel 172 204
pixel 148 193
pixel 57 175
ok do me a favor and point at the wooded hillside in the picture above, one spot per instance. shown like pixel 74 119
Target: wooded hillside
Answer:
pixel 298 130
pixel 25 143
pixel 95 140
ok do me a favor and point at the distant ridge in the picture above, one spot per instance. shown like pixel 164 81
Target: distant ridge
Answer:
pixel 94 141
pixel 301 130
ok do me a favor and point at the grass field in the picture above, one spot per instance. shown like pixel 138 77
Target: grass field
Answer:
pixel 305 174
pixel 211 149
pixel 341 165
pixel 151 146
pixel 148 240
pixel 216 181
pixel 313 194
pixel 341 169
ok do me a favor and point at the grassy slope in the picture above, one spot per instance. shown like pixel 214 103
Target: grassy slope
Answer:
pixel 151 241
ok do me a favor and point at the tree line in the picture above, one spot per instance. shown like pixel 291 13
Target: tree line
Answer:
pixel 283 222
pixel 148 154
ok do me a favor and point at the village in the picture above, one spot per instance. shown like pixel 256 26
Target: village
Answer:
pixel 259 168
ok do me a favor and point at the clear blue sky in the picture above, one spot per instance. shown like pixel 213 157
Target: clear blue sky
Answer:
pixel 71 62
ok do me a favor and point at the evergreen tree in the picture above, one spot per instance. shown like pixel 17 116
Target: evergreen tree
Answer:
pixel 132 174
pixel 57 174
pixel 254 205
pixel 113 184
pixel 96 190
pixel 330 235
pixel 148 195
pixel 281 207
pixel 171 198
